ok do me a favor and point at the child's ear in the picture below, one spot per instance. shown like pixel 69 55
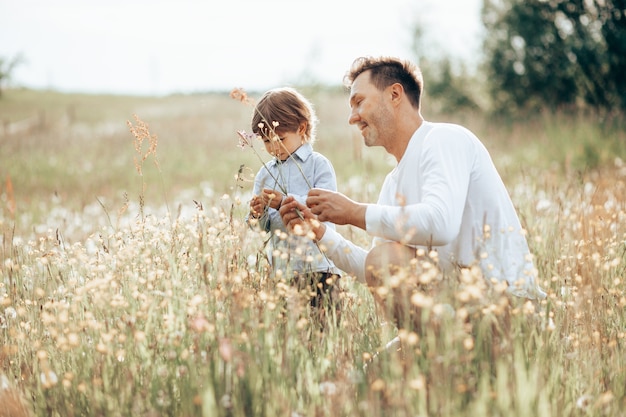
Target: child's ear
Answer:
pixel 302 128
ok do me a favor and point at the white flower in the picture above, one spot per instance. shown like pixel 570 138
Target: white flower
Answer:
pixel 4 382
pixel 328 388
pixel 48 378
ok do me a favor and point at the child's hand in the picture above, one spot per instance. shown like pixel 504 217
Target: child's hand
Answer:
pixel 257 206
pixel 272 198
pixel 267 198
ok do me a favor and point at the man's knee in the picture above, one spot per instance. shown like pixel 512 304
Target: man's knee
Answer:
pixel 386 258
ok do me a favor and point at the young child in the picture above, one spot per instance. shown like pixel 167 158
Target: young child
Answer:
pixel 286 122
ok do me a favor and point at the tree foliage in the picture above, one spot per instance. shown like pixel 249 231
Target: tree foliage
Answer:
pixel 556 53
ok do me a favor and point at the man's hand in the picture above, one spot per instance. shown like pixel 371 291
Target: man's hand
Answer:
pixel 334 207
pixel 298 216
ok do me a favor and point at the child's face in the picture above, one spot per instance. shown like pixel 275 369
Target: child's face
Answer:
pixel 283 144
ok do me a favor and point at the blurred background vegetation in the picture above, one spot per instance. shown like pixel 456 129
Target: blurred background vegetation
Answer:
pixel 537 55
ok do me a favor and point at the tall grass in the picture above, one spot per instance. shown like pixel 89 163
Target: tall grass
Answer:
pixel 123 295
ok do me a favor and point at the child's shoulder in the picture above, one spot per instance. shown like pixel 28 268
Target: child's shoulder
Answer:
pixel 317 156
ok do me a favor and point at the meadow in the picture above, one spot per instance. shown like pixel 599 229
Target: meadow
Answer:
pixel 130 284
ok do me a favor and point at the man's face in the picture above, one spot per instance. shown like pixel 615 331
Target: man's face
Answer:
pixel 369 111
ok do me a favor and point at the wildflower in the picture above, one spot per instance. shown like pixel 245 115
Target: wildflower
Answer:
pixel 468 343
pixel 246 139
pixel 421 300
pixel 226 350
pixel 299 230
pixel 328 388
pixel 67 384
pixel 240 95
pixel 412 339
pixel 199 324
pixel 443 310
pixel 141 132
pixel 102 348
pixel 418 383
pixel 378 385
pixel 10 313
pixel 196 300
pixel 606 397
pixel 4 382
pixel 584 401
pixel 529 308
pixel 48 379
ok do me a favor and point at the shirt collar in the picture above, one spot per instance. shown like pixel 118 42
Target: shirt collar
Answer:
pixel 301 154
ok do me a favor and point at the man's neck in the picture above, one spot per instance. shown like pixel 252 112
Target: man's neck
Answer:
pixel 404 134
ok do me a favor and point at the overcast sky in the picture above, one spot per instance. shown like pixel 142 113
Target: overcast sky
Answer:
pixel 160 47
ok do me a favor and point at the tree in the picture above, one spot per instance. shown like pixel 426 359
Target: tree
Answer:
pixel 556 53
pixel 7 66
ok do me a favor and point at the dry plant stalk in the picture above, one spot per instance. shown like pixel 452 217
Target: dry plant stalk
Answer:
pixel 141 133
pixel 240 95
pixel 10 196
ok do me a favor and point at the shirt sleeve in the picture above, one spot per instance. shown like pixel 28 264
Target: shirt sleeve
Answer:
pixel 444 167
pixel 324 176
pixel 345 254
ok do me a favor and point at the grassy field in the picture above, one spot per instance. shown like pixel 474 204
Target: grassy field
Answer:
pixel 130 285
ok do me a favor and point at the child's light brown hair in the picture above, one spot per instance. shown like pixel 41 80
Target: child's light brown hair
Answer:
pixel 287 107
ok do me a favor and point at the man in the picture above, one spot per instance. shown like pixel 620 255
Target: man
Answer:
pixel 444 195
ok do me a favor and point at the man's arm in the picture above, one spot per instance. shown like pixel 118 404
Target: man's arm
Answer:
pixel 345 254
pixel 334 207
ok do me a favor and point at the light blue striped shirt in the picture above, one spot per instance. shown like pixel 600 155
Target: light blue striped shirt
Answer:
pixel 303 170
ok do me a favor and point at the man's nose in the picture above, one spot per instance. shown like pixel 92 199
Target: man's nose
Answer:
pixel 353 118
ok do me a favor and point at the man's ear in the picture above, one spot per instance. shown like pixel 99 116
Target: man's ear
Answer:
pixel 397 92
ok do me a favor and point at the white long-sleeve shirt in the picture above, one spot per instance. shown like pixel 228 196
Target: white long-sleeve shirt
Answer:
pixel 445 194
pixel 303 170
